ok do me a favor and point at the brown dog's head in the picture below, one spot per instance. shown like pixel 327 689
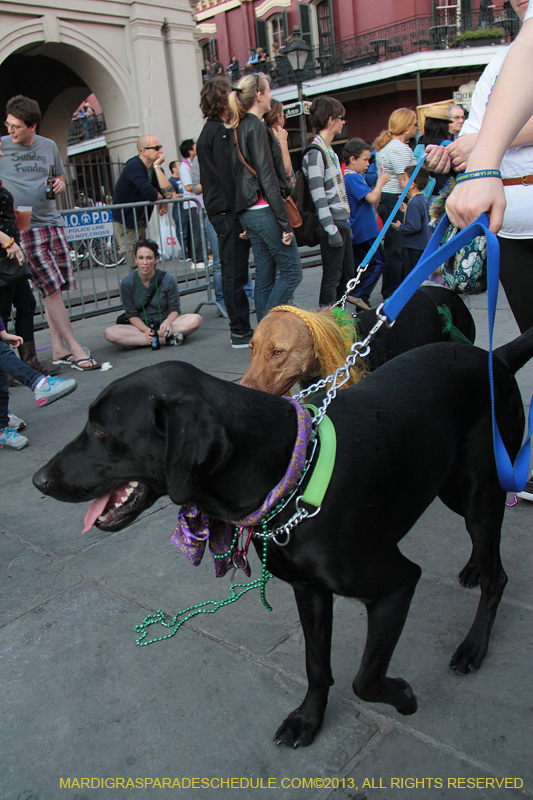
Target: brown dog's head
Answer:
pixel 282 353
pixel 291 345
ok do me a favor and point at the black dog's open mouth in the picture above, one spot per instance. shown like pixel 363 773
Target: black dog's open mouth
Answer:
pixel 117 509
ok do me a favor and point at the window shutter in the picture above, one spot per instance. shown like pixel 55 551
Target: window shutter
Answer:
pixel 285 24
pixel 212 46
pixel 261 34
pixel 304 13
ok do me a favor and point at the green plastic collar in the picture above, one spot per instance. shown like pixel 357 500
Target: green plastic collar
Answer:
pixel 319 482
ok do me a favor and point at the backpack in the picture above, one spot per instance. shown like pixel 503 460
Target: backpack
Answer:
pixel 305 234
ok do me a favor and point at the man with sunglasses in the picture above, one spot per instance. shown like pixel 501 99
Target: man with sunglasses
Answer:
pixel 141 179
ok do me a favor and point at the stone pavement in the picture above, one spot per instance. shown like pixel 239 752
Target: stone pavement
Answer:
pixel 82 704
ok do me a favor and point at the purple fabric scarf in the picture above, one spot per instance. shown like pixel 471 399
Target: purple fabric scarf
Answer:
pixel 195 529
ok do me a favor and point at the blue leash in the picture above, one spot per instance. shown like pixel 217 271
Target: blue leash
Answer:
pixel 512 478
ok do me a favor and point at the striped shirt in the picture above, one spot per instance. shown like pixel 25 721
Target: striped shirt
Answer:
pixel 323 188
pixel 394 158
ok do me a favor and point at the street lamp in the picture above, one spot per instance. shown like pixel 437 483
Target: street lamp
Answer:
pixel 297 51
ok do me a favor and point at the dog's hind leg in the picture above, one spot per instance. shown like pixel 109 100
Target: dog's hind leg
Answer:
pixel 316 615
pixel 484 567
pixel 386 617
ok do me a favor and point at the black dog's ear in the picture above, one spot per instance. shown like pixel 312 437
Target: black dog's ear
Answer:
pixel 197 445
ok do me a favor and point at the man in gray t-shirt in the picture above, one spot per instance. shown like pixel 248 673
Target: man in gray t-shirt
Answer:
pixel 24 169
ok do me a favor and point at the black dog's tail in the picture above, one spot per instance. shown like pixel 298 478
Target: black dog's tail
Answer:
pixel 517 353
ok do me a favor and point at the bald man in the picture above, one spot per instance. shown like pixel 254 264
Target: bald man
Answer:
pixel 141 179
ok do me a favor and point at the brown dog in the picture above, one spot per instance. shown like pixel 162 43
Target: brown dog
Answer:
pixel 290 345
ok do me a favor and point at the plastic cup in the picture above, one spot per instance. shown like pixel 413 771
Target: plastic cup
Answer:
pixel 23 214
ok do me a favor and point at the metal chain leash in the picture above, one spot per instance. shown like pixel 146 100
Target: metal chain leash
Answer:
pixel 342 374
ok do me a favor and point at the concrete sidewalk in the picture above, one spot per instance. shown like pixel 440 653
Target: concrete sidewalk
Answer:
pixel 84 707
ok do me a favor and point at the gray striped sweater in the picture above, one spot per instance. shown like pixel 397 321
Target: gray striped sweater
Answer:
pixel 328 204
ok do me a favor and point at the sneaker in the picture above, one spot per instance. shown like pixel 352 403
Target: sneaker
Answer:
pixel 179 338
pixel 12 439
pixel 15 422
pixel 241 341
pixel 51 389
pixel 527 491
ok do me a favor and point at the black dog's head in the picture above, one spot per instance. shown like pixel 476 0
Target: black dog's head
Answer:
pixel 150 434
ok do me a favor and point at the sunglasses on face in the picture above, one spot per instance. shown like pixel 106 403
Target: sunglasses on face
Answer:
pixel 154 147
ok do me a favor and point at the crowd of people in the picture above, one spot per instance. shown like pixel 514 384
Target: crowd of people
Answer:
pixel 241 174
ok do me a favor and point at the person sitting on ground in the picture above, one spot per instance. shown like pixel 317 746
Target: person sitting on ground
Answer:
pixel 151 301
pixel 363 223
pixel 415 228
pixel 45 388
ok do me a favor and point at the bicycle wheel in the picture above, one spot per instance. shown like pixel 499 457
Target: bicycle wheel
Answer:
pixel 105 253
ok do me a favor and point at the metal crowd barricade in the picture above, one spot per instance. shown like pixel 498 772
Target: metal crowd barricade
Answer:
pixel 100 264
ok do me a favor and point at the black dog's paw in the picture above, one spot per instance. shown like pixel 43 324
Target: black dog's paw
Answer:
pixel 470 575
pixel 394 691
pixel 297 730
pixel 402 696
pixel 467 658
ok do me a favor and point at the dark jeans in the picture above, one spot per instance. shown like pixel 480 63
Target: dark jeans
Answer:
pixel 411 258
pixel 373 271
pixel 189 232
pixel 393 243
pixel 516 275
pixel 10 364
pixel 234 254
pixel 337 264
pixel 21 296
pixel 272 258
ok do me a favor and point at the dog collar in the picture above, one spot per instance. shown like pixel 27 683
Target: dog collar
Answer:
pixel 321 476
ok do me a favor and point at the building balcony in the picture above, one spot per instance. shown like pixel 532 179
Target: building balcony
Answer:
pixel 404 38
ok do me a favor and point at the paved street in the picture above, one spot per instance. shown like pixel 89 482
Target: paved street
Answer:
pixel 81 702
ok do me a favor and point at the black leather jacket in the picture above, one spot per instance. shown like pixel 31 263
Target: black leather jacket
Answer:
pixel 261 151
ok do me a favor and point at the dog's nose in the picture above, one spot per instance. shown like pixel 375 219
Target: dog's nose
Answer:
pixel 40 479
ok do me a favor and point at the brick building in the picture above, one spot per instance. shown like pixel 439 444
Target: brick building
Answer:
pixel 374 56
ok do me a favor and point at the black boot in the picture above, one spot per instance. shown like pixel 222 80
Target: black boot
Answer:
pixel 28 354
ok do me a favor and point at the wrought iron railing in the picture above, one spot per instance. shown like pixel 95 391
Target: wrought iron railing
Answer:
pixel 401 39
pixel 88 128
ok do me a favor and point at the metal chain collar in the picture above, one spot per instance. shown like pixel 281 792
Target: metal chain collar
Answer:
pixel 342 374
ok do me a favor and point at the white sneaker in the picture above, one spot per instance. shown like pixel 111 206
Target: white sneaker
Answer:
pixel 12 439
pixel 15 422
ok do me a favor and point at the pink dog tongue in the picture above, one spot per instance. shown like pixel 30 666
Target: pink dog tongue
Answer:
pixel 95 509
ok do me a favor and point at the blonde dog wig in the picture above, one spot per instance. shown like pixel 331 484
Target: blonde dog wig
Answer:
pixel 333 331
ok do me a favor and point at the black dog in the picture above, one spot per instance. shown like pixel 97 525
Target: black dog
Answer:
pixel 420 425
pixel 419 322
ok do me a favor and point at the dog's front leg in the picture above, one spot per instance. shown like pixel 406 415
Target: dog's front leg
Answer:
pixel 316 614
pixel 386 617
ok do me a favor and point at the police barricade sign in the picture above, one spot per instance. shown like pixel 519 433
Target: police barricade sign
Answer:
pixel 88 225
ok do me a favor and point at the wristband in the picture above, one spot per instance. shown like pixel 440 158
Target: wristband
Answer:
pixel 8 245
pixel 478 173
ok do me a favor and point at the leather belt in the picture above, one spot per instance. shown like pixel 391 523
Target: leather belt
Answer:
pixel 525 180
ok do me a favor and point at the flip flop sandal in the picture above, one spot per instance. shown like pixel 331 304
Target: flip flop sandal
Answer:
pixel 91 364
pixel 69 358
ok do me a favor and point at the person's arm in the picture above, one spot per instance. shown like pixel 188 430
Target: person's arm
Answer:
pixel 59 183
pixel 13 251
pixel 165 187
pixel 375 195
pixel 282 137
pixel 11 339
pixel 414 218
pixel 138 176
pixel 509 108
pixel 170 301
pixel 316 171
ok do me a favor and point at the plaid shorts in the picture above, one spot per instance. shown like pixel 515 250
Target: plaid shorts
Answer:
pixel 48 256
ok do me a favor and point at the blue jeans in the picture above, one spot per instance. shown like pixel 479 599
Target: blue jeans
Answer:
pixel 270 255
pixel 212 238
pixel 11 365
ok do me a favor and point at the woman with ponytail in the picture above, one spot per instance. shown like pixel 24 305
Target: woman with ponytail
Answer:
pixel 393 156
pixel 261 185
